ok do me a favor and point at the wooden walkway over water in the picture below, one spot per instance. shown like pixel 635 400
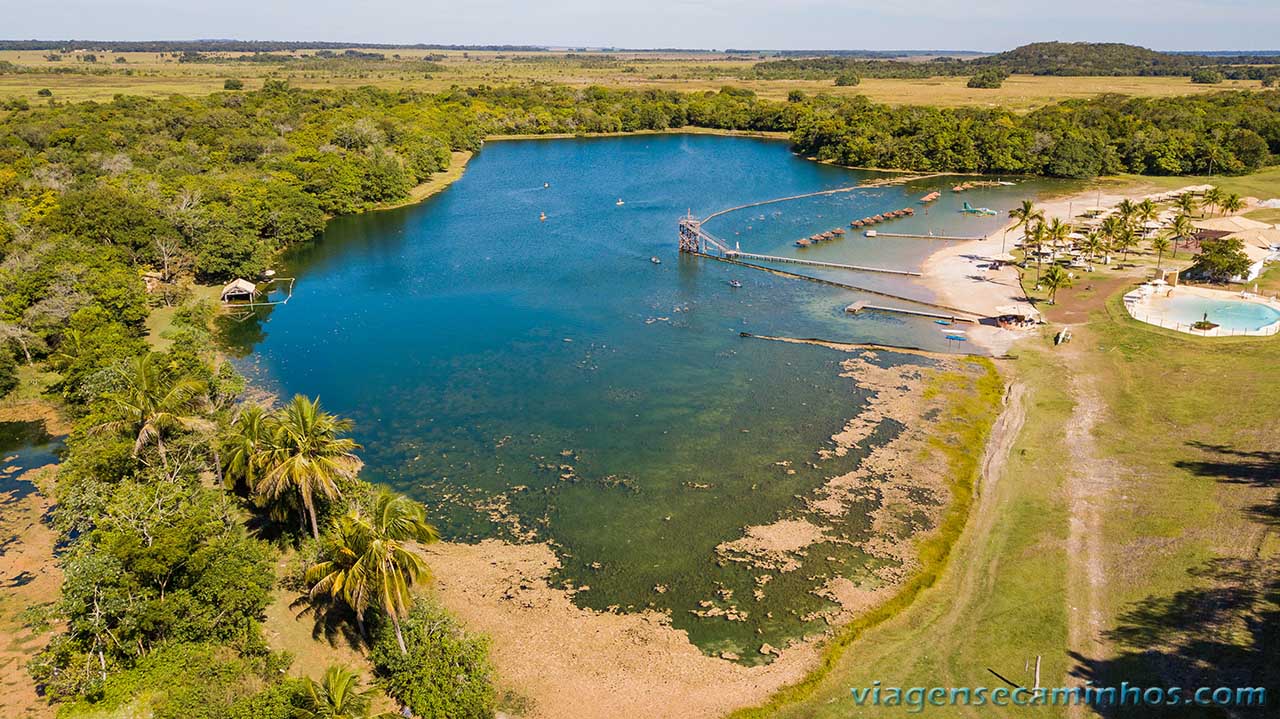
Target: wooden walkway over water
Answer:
pixel 736 254
pixel 926 237
pixel 857 307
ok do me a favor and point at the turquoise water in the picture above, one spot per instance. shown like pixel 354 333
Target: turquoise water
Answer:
pixel 1228 314
pixel 479 349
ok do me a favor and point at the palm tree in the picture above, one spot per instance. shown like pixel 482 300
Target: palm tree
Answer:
pixel 367 561
pixel 1186 203
pixel 1146 210
pixel 1212 197
pixel 1055 278
pixel 1094 244
pixel 244 450
pixel 154 405
pixel 1128 211
pixel 1124 241
pixel 1232 203
pixel 1025 214
pixel 1182 229
pixel 1161 244
pixel 307 456
pixel 1034 240
pixel 337 696
pixel 1111 229
pixel 1057 232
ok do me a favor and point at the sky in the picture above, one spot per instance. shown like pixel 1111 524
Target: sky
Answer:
pixel 985 25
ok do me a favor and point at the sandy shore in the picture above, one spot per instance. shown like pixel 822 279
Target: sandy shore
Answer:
pixel 960 275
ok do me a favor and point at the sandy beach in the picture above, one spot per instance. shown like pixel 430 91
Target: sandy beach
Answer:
pixel 960 274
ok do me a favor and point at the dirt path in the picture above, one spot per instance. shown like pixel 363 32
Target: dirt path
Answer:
pixel 1089 486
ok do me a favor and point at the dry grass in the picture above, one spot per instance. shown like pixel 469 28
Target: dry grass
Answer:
pixel 156 75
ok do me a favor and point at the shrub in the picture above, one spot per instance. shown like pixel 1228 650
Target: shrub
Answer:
pixel 44 92
pixel 1206 76
pixel 445 674
pixel 233 83
pixel 847 79
pixel 988 79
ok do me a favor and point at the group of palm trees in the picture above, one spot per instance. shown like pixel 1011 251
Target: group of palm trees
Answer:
pixel 289 460
pixel 1120 232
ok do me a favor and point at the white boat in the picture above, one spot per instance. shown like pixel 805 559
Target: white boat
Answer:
pixel 619 202
pixel 655 260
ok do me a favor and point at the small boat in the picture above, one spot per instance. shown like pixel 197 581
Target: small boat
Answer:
pixel 545 185
pixel 734 283
pixel 655 260
pixel 944 323
pixel 543 217
pixel 619 202
pixel 957 338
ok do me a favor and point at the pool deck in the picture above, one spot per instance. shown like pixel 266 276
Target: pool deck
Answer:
pixel 1143 302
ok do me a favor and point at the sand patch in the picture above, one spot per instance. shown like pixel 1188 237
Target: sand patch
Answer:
pixel 36 411
pixel 778 546
pixel 29 576
pixel 574 662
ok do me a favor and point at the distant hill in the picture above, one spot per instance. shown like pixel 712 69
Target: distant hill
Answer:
pixel 1041 58
pixel 1109 58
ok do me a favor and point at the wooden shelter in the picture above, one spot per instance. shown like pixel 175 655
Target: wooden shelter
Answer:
pixel 239 290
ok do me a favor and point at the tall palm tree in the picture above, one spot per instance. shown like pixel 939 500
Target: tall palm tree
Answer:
pixel 154 405
pixel 1055 278
pixel 1056 232
pixel 1212 197
pixel 1161 244
pixel 337 696
pixel 367 561
pixel 307 456
pixel 1232 203
pixel 1025 214
pixel 1186 203
pixel 1111 228
pixel 1146 210
pixel 1034 240
pixel 1094 244
pixel 245 448
pixel 1183 229
pixel 1128 211
pixel 1124 241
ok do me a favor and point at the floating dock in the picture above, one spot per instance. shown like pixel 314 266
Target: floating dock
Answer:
pixel 857 307
pixel 734 254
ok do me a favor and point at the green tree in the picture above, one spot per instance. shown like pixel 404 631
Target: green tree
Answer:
pixel 1232 203
pixel 1160 244
pixel 847 79
pixel 1222 259
pixel 1186 203
pixel 307 457
pixel 245 448
pixel 233 83
pixel 1206 76
pixel 1054 279
pixel 152 405
pixel 338 696
pixel 1213 197
pixel 988 78
pixel 1182 229
pixel 367 562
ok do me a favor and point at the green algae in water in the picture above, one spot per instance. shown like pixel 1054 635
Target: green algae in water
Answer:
pixel 544 379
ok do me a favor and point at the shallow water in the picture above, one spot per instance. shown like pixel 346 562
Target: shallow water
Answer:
pixel 478 349
pixel 24 446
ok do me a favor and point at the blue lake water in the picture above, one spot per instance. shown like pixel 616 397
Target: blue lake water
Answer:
pixel 24 446
pixel 545 379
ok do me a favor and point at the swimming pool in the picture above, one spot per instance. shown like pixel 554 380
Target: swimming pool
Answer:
pixel 1229 314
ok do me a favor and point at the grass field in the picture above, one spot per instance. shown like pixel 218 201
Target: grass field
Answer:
pixel 155 75
pixel 1190 591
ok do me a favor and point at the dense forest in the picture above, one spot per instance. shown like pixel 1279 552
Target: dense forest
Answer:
pixel 109 210
pixel 1044 58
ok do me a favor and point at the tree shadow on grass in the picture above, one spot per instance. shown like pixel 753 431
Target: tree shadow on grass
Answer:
pixel 332 622
pixel 1260 468
pixel 1223 632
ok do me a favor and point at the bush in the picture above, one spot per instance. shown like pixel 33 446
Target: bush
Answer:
pixel 1206 76
pixel 44 92
pixel 233 83
pixel 445 675
pixel 847 79
pixel 988 79
pixel 8 371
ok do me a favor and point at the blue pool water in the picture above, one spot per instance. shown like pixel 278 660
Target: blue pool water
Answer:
pixel 1228 314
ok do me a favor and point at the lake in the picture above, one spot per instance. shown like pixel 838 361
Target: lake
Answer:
pixel 544 380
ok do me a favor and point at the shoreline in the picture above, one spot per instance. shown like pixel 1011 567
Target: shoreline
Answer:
pixel 958 275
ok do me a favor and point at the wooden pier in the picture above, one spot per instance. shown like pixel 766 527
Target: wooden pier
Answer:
pixel 857 307
pixel 735 254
